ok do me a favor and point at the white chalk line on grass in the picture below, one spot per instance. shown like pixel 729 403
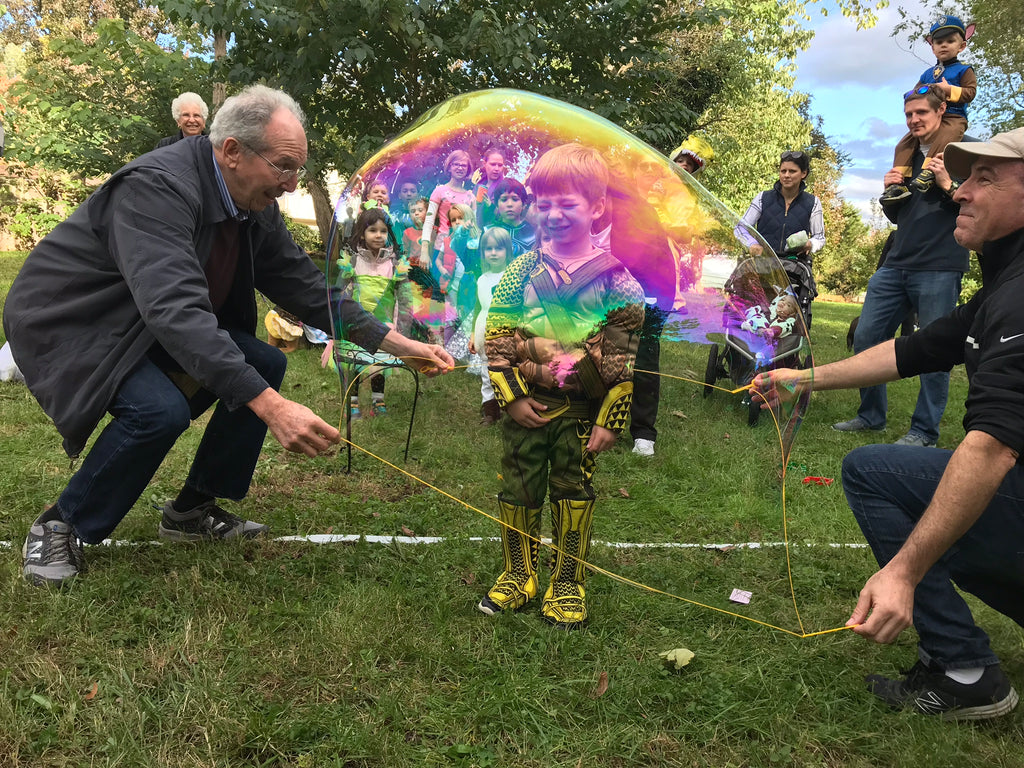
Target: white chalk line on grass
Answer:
pixel 353 538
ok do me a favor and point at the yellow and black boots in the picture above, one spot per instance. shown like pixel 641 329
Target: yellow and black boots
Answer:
pixel 517 584
pixel 565 601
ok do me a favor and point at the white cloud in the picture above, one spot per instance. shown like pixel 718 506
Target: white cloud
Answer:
pixel 859 191
pixel 878 129
pixel 842 55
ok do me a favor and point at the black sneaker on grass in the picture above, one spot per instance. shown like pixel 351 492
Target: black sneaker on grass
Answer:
pixel 207 522
pixel 932 693
pixel 52 553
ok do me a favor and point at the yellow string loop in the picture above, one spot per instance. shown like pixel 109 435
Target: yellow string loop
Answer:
pixel 605 572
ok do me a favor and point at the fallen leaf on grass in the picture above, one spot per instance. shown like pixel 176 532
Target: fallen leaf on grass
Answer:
pixel 92 692
pixel 468 578
pixel 726 435
pixel 602 686
pixel 676 659
pixel 376 514
pixel 624 493
pixel 680 415
pixel 330 530
pixel 408 531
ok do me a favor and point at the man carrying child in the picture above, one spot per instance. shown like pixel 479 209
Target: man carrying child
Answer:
pixel 954 82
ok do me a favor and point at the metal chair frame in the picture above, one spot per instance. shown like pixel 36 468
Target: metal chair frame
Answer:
pixel 360 361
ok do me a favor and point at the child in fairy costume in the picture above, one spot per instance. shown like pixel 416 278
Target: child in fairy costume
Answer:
pixel 379 281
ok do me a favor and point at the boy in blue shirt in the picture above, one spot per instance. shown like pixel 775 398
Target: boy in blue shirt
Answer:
pixel 511 202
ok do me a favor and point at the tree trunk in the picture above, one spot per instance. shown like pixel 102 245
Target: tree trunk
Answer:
pixel 220 51
pixel 322 206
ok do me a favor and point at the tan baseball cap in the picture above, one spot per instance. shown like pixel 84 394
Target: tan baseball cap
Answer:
pixel 959 157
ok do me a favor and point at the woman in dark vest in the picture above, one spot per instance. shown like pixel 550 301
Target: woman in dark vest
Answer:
pixel 787 216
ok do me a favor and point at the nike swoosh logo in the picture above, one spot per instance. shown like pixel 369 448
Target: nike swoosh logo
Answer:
pixel 1004 339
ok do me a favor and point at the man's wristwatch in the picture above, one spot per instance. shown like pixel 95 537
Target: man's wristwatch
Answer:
pixel 953 187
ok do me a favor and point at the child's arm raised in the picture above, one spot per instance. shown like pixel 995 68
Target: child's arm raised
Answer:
pixel 428 226
pixel 966 91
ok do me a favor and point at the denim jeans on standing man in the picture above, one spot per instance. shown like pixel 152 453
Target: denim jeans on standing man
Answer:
pixel 888 487
pixel 891 294
pixel 150 413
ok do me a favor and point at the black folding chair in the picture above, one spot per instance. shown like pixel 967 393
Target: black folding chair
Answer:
pixel 354 363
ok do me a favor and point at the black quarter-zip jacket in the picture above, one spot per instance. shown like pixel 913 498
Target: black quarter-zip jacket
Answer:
pixel 987 335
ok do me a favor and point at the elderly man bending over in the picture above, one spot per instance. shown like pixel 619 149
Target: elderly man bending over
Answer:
pixel 142 305
pixel 936 517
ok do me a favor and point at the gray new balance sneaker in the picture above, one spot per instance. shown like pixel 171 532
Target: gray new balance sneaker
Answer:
pixel 856 424
pixel 930 692
pixel 52 553
pixel 915 438
pixel 207 522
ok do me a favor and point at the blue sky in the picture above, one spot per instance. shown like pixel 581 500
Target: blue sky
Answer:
pixel 856 79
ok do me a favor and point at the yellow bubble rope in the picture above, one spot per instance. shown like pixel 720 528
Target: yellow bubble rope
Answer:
pixel 603 571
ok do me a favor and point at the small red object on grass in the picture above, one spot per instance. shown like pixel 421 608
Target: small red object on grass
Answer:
pixel 818 480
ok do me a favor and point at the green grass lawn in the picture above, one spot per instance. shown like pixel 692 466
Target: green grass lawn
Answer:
pixel 275 653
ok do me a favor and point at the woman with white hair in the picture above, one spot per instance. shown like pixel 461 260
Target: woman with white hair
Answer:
pixel 189 112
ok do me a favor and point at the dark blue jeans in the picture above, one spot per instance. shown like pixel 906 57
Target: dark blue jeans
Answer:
pixel 150 413
pixel 891 294
pixel 888 488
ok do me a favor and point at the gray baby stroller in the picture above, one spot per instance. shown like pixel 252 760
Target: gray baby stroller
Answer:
pixel 755 336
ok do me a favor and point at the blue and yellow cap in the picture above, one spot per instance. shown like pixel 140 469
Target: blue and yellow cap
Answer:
pixel 948 24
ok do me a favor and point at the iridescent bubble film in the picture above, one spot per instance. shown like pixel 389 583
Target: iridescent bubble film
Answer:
pixel 736 314
pixel 469 202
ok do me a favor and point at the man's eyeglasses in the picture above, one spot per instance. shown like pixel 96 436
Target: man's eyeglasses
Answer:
pixel 284 175
pixel 793 155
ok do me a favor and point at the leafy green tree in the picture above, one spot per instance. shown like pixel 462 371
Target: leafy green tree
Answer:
pixel 999 44
pixel 851 255
pixel 363 69
pixel 88 92
pixel 27 23
pixel 369 66
pixel 757 115
pixel 81 106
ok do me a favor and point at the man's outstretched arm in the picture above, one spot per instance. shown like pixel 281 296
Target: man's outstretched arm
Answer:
pixel 876 365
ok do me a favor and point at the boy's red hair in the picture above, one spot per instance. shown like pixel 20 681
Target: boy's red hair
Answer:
pixel 570 168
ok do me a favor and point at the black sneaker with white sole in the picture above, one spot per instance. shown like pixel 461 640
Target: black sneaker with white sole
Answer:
pixel 207 522
pixel 52 553
pixel 931 692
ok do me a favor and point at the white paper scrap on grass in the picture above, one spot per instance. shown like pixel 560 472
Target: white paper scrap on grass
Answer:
pixel 741 596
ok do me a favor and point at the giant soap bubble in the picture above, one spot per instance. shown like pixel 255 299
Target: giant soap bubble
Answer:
pixel 418 234
pixel 688 252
